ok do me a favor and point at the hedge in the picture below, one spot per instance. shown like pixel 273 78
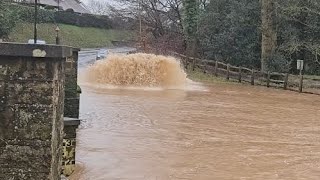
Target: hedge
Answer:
pixel 8 19
pixel 82 20
pixel 26 14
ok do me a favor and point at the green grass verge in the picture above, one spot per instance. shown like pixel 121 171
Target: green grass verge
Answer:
pixel 309 85
pixel 314 77
pixel 82 37
pixel 199 76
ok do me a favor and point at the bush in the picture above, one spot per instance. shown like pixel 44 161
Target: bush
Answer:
pixel 279 63
pixel 228 32
pixel 27 14
pixel 8 20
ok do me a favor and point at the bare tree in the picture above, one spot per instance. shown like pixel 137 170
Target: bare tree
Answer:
pixel 158 16
pixel 98 7
pixel 203 3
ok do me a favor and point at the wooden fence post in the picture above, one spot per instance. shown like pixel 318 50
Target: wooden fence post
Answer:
pixel 285 84
pixel 301 83
pixel 252 77
pixel 268 79
pixel 187 62
pixel 205 67
pixel 193 63
pixel 240 74
pixel 228 72
pixel 216 69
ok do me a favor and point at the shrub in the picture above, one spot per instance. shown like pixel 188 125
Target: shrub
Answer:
pixel 8 19
pixel 26 14
pixel 279 63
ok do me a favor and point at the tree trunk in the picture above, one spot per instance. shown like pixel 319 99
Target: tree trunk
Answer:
pixel 269 34
pixel 191 13
pixel 192 48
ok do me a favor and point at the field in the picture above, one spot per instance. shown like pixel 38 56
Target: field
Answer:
pixel 70 35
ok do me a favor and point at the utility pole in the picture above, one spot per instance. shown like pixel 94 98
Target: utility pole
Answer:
pixel 35 21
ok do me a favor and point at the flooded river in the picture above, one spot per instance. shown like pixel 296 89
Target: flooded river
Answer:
pixel 202 132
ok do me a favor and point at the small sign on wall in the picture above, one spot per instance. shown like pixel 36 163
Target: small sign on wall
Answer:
pixel 300 65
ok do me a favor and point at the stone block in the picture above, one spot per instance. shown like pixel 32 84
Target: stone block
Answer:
pixel 7 127
pixel 35 50
pixel 2 88
pixel 29 92
pixel 71 108
pixel 3 72
pixel 32 122
pixel 21 153
pixel 3 98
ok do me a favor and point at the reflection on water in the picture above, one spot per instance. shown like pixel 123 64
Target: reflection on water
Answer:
pixel 213 132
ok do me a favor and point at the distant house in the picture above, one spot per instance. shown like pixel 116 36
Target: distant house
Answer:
pixel 72 5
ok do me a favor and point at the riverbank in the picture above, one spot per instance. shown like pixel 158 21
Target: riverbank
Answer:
pixel 83 37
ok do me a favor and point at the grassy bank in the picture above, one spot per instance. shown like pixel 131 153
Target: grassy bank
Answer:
pixel 311 84
pixel 199 76
pixel 70 35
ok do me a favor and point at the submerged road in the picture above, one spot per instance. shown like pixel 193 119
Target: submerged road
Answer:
pixel 219 131
pixel 88 56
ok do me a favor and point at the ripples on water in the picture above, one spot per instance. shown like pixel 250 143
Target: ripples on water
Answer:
pixel 221 131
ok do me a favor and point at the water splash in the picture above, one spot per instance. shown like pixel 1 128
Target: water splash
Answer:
pixel 137 70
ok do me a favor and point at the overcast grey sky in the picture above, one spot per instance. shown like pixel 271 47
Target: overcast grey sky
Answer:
pixel 111 2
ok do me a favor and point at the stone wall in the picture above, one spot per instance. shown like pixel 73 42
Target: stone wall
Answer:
pixel 69 145
pixel 71 108
pixel 31 110
pixel 71 113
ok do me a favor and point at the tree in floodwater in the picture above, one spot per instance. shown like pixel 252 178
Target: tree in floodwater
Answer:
pixel 269 33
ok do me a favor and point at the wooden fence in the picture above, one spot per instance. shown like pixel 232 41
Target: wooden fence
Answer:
pixel 242 74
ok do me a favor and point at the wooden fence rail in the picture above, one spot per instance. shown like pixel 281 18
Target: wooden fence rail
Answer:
pixel 240 74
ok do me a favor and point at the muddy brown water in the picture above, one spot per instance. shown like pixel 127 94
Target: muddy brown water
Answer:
pixel 189 130
pixel 205 132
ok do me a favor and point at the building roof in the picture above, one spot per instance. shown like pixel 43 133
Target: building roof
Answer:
pixel 49 2
pixel 76 5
